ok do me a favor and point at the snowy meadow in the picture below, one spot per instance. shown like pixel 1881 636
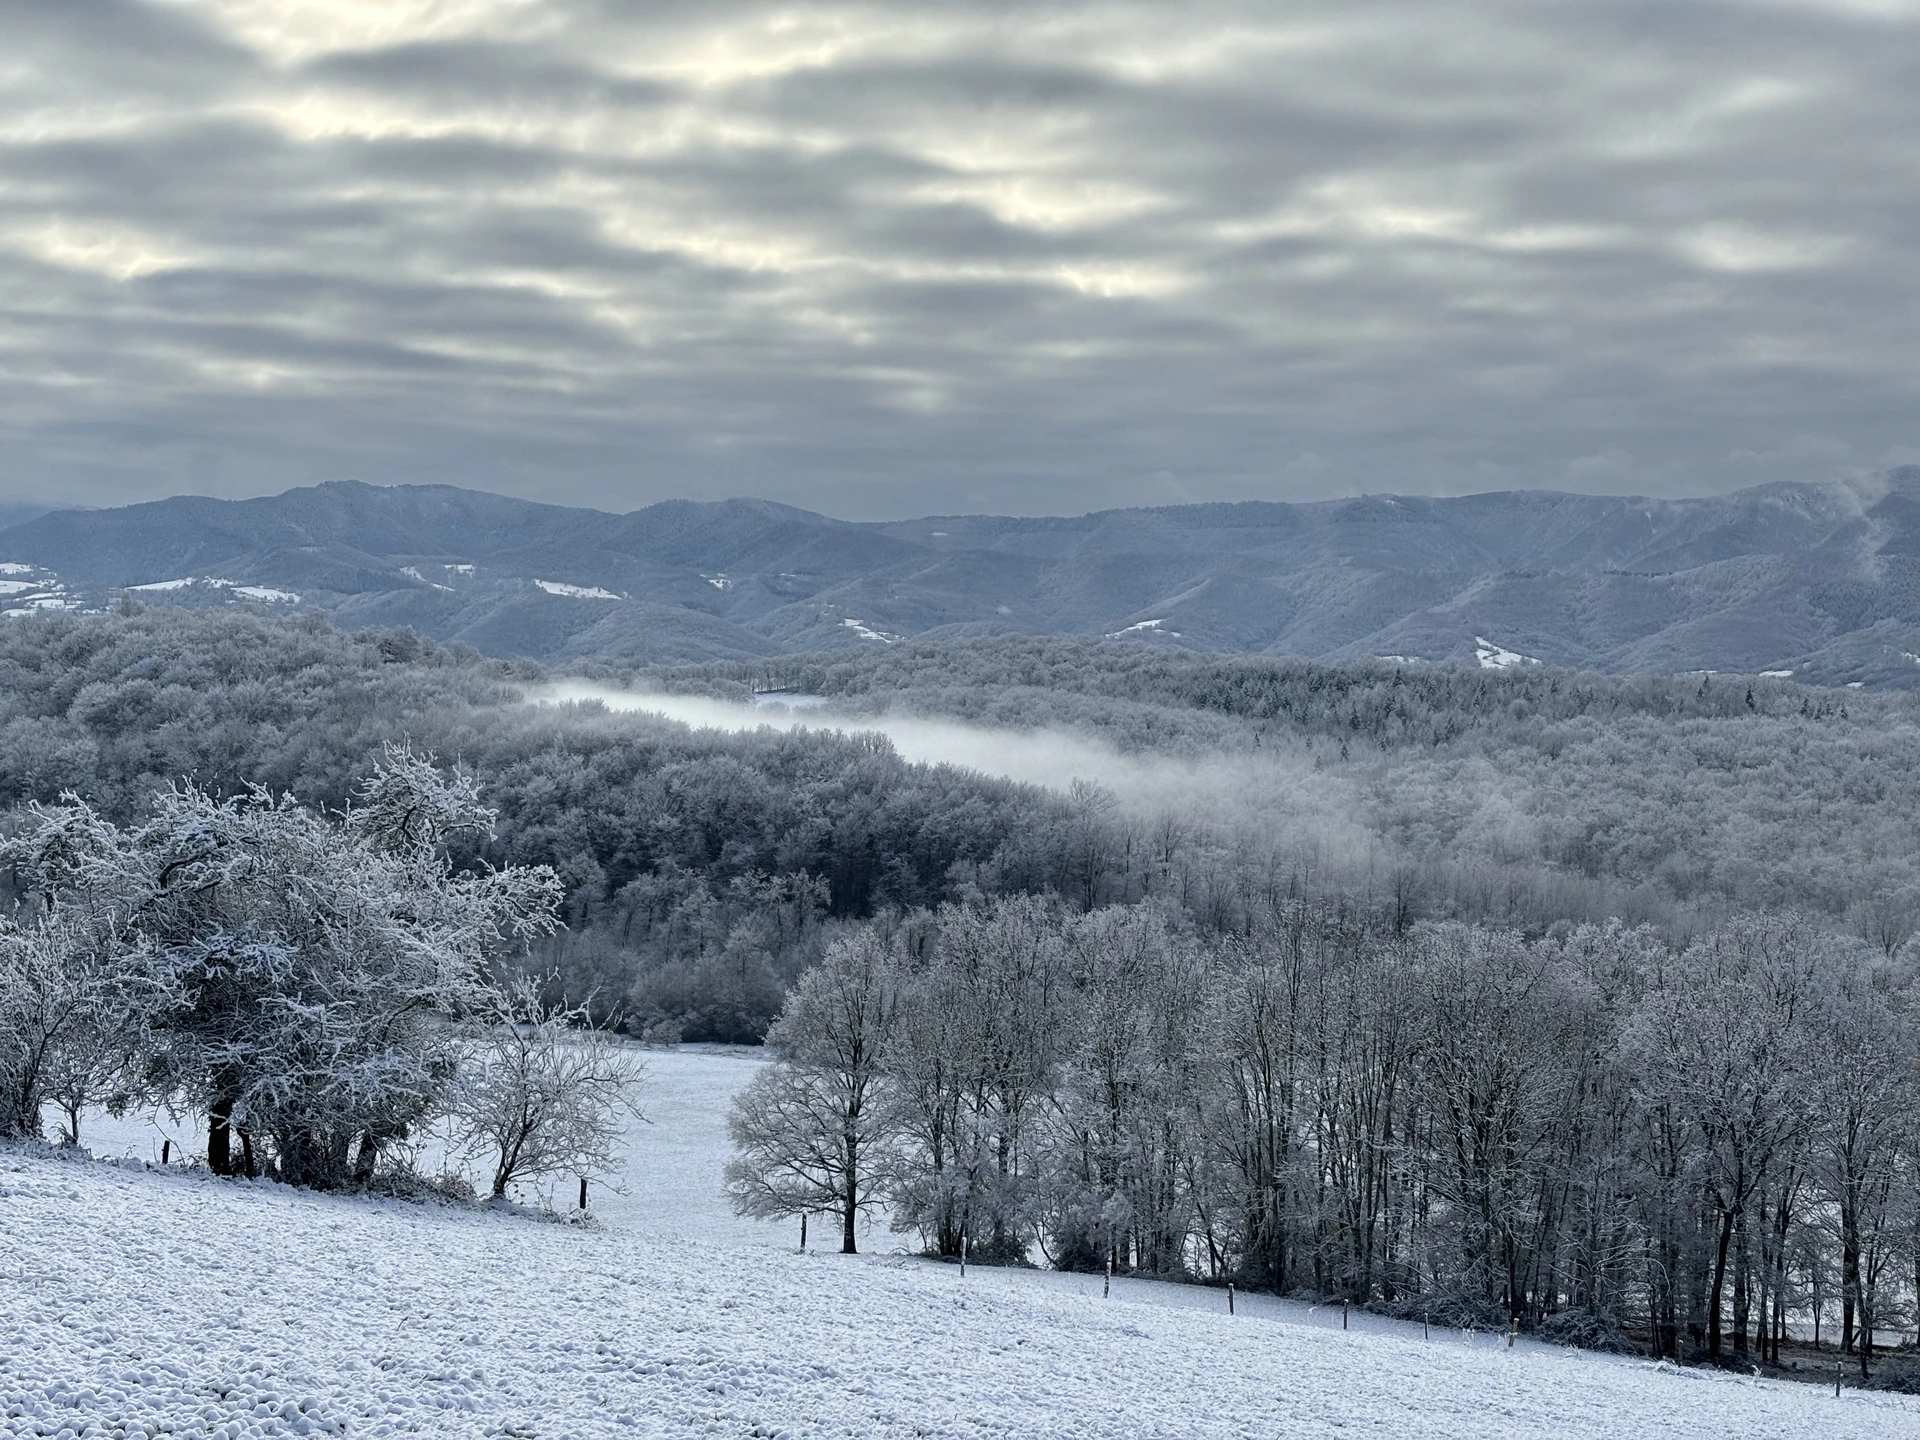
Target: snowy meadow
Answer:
pixel 148 1301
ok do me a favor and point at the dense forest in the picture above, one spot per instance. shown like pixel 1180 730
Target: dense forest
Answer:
pixel 705 869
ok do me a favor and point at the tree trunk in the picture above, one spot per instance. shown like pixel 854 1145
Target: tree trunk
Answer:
pixel 1718 1287
pixel 1742 1289
pixel 1850 1298
pixel 220 1136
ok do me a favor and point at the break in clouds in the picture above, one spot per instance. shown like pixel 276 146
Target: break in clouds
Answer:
pixel 883 259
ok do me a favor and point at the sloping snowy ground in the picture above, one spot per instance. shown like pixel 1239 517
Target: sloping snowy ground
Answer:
pixel 139 1302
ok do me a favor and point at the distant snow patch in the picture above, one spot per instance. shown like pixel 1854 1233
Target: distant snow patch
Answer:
pixel 1401 659
pixel 14 567
pixel 1783 674
pixel 1856 684
pixel 459 569
pixel 721 581
pixel 1495 657
pixel 251 592
pixel 15 587
pixel 867 632
pixel 577 592
pixel 35 604
pixel 1137 625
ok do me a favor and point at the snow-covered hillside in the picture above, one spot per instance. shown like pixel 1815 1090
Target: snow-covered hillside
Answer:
pixel 138 1302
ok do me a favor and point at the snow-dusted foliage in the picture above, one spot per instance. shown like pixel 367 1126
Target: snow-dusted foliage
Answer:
pixel 296 976
pixel 543 1092
pixel 1587 1132
pixel 807 1127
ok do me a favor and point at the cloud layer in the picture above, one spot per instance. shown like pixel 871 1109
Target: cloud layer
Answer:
pixel 886 259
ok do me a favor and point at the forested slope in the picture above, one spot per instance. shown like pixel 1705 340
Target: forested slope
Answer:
pixel 703 865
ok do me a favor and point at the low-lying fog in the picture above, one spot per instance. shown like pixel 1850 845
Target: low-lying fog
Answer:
pixel 1277 790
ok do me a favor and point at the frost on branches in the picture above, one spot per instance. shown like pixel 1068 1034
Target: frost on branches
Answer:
pixel 310 981
pixel 546 1094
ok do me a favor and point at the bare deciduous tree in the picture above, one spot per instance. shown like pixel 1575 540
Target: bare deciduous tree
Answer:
pixel 544 1093
pixel 809 1127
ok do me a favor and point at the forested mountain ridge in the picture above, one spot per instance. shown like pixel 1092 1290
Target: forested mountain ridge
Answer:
pixel 1822 580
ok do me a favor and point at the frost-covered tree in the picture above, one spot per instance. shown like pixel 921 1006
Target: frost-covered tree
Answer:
pixel 1723 1056
pixel 1860 1123
pixel 982 1027
pixel 58 1039
pixel 1124 1125
pixel 302 969
pixel 544 1093
pixel 811 1128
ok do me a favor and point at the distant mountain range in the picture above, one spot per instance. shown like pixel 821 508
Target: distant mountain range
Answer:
pixel 1822 580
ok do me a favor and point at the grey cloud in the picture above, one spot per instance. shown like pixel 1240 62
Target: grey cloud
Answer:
pixel 1036 258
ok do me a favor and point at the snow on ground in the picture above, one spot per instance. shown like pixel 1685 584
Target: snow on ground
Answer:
pixel 1496 657
pixel 143 1302
pixel 251 592
pixel 867 632
pixel 54 599
pixel 576 592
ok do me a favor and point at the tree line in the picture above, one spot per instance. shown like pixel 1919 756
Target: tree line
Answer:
pixel 1591 1131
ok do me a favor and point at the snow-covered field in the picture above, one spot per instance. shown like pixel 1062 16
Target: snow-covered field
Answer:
pixel 140 1302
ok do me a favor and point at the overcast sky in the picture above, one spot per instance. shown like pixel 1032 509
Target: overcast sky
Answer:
pixel 892 259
